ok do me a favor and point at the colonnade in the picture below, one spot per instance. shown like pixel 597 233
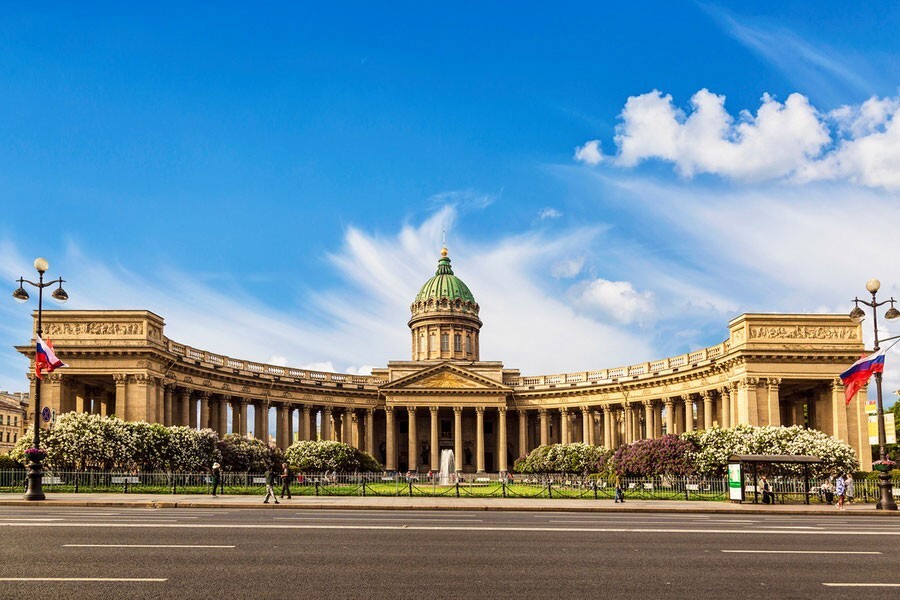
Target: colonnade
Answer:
pixel 481 436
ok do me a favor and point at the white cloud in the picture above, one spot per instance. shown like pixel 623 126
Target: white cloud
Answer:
pixel 589 153
pixel 549 213
pixel 617 299
pixel 776 142
pixel 567 269
pixel 790 141
pixel 327 366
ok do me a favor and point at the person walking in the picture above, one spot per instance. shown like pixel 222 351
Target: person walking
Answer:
pixel 270 486
pixel 840 489
pixel 620 493
pixel 217 478
pixel 285 480
pixel 849 488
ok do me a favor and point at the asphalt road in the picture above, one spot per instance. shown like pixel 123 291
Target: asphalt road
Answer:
pixel 239 553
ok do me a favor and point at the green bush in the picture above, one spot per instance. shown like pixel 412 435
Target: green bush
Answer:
pixel 318 456
pixel 582 459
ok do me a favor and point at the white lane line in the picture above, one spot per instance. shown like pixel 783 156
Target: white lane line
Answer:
pixel 797 552
pixel 40 520
pixel 862 584
pixel 795 526
pixel 82 579
pixel 139 546
pixel 455 528
pixel 600 519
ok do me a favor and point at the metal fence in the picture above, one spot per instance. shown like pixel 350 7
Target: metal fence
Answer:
pixel 560 485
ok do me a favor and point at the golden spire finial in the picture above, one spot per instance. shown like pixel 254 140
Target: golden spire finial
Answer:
pixel 444 251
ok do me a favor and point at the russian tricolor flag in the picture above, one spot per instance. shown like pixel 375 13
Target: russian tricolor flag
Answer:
pixel 45 358
pixel 858 375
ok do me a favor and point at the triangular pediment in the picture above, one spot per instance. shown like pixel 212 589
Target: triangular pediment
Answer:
pixel 445 376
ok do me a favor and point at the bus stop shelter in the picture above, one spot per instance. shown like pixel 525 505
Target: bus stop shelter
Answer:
pixel 754 460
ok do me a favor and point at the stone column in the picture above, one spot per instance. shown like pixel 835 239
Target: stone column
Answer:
pixel 242 410
pixel 389 439
pixel 264 421
pixel 607 427
pixel 545 426
pixel 457 438
pixel 592 427
pixel 501 451
pixel 305 423
pixel 688 412
pixel 725 406
pixel 204 409
pixel 523 433
pixel 370 431
pixel 563 426
pixel 649 418
pixel 412 440
pixel 773 404
pixel 479 439
pixel 670 415
pixel 121 380
pixel 435 440
pixel 189 407
pixel 223 415
pixel 326 426
pixel 168 404
pixel 629 422
pixel 347 425
pixel 839 408
pixel 707 409
pixel 279 426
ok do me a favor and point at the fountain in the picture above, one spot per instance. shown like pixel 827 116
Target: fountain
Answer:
pixel 446 466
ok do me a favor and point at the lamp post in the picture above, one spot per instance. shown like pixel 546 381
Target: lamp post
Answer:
pixel 857 314
pixel 35 468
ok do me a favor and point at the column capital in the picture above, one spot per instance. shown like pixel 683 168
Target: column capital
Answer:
pixel 706 395
pixel 458 410
pixel 725 389
pixel 686 397
pixel 120 378
pixel 649 403
pixel 669 402
pixel 606 408
pixel 479 410
pixel 501 410
pixel 748 382
pixel 433 409
pixel 370 410
pixel 563 411
pixel 773 382
pixel 411 409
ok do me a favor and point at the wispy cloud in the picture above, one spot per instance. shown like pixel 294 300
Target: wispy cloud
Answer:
pixel 816 68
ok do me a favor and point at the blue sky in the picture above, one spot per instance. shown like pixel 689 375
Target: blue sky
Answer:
pixel 615 182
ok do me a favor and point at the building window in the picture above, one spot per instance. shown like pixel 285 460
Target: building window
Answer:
pixel 422 343
pixel 431 343
pixel 15 436
pixel 16 422
pixel 469 344
pixel 457 342
pixel 445 342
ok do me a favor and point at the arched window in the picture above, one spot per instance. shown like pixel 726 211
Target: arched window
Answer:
pixel 445 342
pixel 457 342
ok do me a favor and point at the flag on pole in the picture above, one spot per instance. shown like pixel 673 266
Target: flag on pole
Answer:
pixel 859 373
pixel 45 358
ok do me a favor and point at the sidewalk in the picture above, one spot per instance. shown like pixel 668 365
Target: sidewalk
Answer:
pixel 120 500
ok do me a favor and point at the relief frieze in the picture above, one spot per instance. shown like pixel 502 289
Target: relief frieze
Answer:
pixel 803 332
pixel 93 328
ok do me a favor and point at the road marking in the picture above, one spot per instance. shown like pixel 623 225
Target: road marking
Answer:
pixel 456 528
pixel 81 579
pixel 796 552
pixel 139 546
pixel 862 584
pixel 795 526
pixel 41 520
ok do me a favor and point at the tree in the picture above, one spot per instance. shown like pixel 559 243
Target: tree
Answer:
pixel 247 454
pixel 669 455
pixel 318 456
pixel 582 459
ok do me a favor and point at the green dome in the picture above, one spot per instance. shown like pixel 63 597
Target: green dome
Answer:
pixel 445 284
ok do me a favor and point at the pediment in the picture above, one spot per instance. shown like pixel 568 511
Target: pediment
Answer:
pixel 445 376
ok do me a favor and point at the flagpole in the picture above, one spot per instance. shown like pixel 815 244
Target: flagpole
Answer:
pixel 886 502
pixel 34 464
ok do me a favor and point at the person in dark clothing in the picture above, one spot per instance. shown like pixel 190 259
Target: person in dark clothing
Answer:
pixel 217 479
pixel 285 480
pixel 270 483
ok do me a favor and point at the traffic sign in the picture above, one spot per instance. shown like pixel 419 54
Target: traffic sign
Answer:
pixel 45 414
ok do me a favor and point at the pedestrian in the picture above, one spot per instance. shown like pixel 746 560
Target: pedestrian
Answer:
pixel 270 486
pixel 768 497
pixel 285 480
pixel 849 488
pixel 217 479
pixel 620 493
pixel 840 489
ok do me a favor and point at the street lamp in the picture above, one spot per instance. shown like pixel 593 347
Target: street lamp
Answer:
pixel 857 314
pixel 35 469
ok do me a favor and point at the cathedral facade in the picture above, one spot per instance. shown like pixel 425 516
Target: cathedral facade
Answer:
pixel 773 369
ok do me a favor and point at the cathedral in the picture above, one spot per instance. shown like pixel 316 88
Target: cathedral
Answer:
pixel 773 369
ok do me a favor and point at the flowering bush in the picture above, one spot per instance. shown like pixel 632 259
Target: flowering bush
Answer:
pixel 314 457
pixel 247 454
pixel 714 447
pixel 668 455
pixel 578 458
